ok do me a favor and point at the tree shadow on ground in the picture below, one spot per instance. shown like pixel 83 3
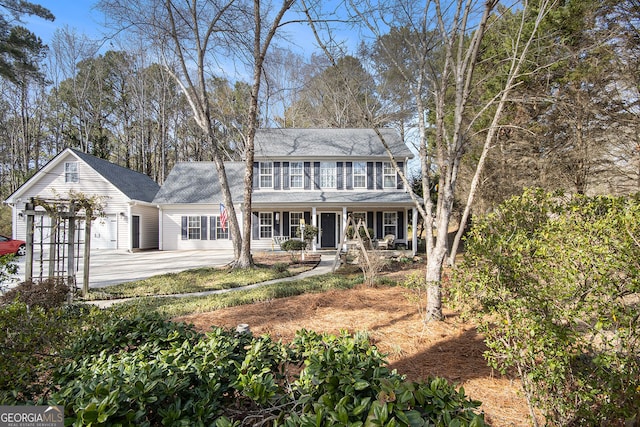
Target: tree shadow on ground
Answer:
pixel 458 360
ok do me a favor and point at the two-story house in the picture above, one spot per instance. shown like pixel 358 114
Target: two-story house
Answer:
pixel 319 176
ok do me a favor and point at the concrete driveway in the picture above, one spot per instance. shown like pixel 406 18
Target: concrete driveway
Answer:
pixel 113 267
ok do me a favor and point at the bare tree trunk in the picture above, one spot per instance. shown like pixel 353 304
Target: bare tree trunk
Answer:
pixel 514 72
pixel 260 48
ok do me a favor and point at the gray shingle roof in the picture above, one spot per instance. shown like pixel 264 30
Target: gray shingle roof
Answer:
pixel 197 182
pixel 135 185
pixel 371 198
pixel 364 143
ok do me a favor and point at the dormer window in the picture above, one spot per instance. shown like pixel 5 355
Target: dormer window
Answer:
pixel 71 172
pixel 266 174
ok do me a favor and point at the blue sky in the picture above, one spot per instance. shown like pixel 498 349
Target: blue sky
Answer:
pixel 81 16
pixel 75 14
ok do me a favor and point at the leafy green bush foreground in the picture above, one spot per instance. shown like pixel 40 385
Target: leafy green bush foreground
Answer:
pixel 113 368
pixel 555 283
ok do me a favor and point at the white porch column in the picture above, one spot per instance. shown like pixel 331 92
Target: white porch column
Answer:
pixel 314 222
pixel 414 231
pixel 343 228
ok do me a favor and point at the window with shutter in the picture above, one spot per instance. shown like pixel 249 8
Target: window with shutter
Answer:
pixel 388 175
pixel 359 174
pixel 296 175
pixel 266 175
pixel 328 175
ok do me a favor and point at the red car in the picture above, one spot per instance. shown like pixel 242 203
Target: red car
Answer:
pixel 10 246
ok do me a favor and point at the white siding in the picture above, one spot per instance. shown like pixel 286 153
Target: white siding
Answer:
pixel 172 228
pixel 148 225
pixel 50 184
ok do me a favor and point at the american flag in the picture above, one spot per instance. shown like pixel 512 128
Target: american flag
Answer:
pixel 223 217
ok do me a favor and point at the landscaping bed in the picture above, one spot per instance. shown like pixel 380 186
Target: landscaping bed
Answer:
pixel 391 316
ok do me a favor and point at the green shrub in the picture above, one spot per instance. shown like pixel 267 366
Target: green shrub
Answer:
pixel 31 346
pixel 361 231
pixel 281 267
pixel 293 245
pixel 345 382
pixel 310 233
pixel 127 333
pixel 143 371
pixel 552 279
pixel 169 380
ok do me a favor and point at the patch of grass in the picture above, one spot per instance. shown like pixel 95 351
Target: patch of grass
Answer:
pixel 196 280
pixel 173 307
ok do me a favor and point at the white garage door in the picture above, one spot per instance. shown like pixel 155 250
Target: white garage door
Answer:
pixel 104 233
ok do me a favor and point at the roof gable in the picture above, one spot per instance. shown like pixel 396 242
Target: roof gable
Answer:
pixel 135 185
pixel 314 143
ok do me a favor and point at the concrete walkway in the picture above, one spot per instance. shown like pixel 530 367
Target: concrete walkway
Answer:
pixel 324 266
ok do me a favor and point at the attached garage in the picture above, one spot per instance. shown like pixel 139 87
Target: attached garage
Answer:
pixel 130 218
pixel 104 233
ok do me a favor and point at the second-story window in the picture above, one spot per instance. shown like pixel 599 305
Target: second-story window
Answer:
pixel 359 174
pixel 296 174
pixel 71 172
pixel 327 175
pixel 266 174
pixel 388 175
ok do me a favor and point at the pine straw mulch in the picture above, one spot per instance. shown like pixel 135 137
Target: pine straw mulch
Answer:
pixel 390 315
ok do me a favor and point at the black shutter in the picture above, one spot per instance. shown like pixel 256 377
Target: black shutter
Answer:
pixel 307 217
pixel 285 175
pixel 370 220
pixel 340 179
pixel 316 175
pixel 401 225
pixel 276 175
pixel 349 176
pixel 255 225
pixel 380 230
pixel 256 175
pixel 379 175
pixel 286 226
pixel 369 175
pixel 203 228
pixel 185 235
pixel 213 229
pixel 398 179
pixel 307 175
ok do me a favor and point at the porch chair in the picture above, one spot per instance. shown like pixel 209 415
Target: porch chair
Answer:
pixel 387 242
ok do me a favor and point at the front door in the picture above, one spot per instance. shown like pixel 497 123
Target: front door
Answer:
pixel 328 230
